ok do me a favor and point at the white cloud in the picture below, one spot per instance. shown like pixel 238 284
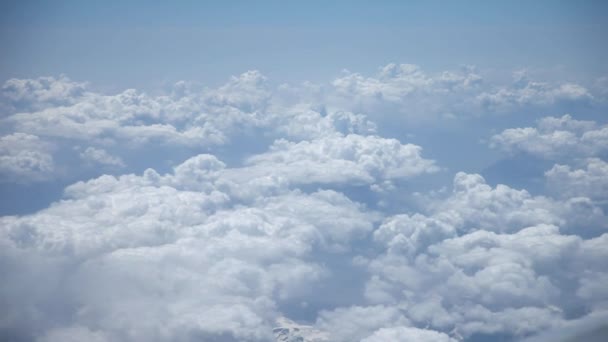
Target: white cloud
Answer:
pixel 221 247
pixel 483 282
pixel 129 116
pixel 525 92
pixel 347 159
pixel 591 328
pixel 555 138
pixel 157 257
pixel 473 205
pixel 35 94
pixel 100 156
pixel 421 95
pixel 303 122
pixel 186 117
pixel 483 261
pixel 409 91
pixel 289 331
pixel 248 92
pixel 395 82
pixel 590 181
pixel 25 158
pixel 190 250
pixel 64 113
pixel 407 334
pixel 357 322
pixel 476 205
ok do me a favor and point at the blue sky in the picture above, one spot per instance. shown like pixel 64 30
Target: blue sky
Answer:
pixel 344 171
pixel 162 42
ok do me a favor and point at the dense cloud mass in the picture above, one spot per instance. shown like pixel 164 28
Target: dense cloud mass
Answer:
pixel 255 212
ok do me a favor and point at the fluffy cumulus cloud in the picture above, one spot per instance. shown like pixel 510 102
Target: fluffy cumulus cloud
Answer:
pixel 24 158
pixel 101 157
pixel 591 180
pixel 347 159
pixel 409 90
pixel 526 92
pixel 33 94
pixel 66 113
pixel 485 263
pixel 395 82
pixel 414 92
pixel 356 322
pixel 555 138
pixel 577 147
pixel 255 212
pixel 407 334
pixel 128 247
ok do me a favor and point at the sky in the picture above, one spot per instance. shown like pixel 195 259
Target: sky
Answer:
pixel 320 171
pixel 139 44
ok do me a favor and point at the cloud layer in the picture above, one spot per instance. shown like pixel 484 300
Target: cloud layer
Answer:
pixel 218 214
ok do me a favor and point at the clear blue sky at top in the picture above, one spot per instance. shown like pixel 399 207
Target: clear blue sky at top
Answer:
pixel 113 13
pixel 137 43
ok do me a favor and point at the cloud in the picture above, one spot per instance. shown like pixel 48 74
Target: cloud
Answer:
pixel 358 322
pixel 350 159
pixel 466 92
pixel 590 181
pixel 64 113
pixel 217 213
pixel 185 117
pixel 473 205
pixel 407 334
pixel 105 119
pixel 173 256
pixel 395 82
pixel 408 90
pixel 483 282
pixel 248 92
pixel 99 156
pixel 555 138
pixel 482 262
pixel 302 122
pixel 525 92
pixel 25 158
pixel 43 92
pixel 288 331
pixel 74 334
pixel 590 328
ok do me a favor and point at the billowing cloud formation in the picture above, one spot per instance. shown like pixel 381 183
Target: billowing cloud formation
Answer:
pixel 35 94
pixel 487 273
pixel 115 247
pixel 555 138
pixel 590 181
pixel 347 159
pixel 407 334
pixel 100 156
pixel 65 113
pixel 25 158
pixel 411 91
pixel 231 213
pixel 525 92
pixel 395 82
